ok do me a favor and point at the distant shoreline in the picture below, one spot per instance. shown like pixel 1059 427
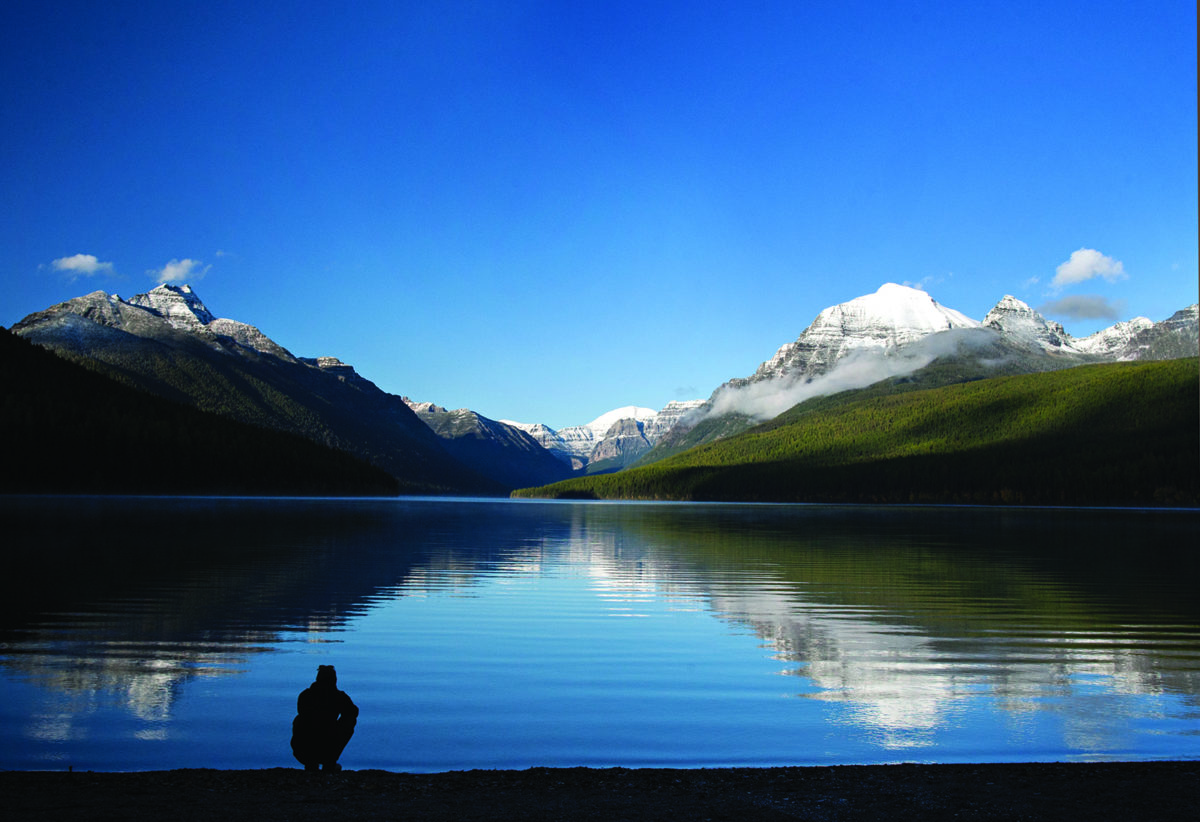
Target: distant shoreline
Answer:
pixel 1160 790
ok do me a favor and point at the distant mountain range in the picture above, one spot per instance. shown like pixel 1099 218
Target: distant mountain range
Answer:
pixel 611 441
pixel 166 342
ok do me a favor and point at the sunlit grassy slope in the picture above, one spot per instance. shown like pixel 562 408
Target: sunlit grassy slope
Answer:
pixel 1112 434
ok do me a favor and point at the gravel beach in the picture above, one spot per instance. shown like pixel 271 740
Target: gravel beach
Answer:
pixel 1049 791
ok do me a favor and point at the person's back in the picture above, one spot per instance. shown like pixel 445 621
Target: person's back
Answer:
pixel 324 723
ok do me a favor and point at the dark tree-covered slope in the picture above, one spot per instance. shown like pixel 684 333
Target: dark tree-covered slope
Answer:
pixel 69 429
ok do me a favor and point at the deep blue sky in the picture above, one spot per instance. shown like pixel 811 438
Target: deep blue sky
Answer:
pixel 543 210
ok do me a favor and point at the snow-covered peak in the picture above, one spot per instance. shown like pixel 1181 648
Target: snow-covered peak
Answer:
pixel 896 311
pixel 1008 304
pixel 178 304
pixel 1016 320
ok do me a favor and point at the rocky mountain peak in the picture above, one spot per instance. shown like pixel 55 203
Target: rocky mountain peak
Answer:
pixel 178 304
pixel 1021 323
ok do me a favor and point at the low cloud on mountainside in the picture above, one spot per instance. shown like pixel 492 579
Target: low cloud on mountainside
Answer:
pixel 769 398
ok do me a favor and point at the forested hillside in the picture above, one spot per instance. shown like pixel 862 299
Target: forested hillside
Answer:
pixel 1111 434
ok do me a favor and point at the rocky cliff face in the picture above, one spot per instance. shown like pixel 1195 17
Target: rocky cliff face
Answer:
pixel 623 443
pixel 668 417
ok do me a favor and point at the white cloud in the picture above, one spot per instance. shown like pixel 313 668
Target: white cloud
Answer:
pixel 177 271
pixel 1086 264
pixel 81 265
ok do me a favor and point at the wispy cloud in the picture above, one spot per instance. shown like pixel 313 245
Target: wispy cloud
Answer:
pixel 1086 264
pixel 924 283
pixel 1084 307
pixel 81 265
pixel 178 271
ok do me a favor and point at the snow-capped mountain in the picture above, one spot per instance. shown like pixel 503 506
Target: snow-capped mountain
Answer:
pixel 1115 340
pixel 891 317
pixel 1136 339
pixel 900 330
pixel 162 313
pixel 1176 336
pixel 896 317
pixel 1020 323
pixel 611 441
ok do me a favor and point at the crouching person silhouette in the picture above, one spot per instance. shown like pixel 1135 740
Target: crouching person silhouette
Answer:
pixel 324 723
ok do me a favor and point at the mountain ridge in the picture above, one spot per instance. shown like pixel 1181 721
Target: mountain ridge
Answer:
pixel 166 342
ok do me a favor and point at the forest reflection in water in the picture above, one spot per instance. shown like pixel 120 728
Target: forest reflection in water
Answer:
pixel 176 632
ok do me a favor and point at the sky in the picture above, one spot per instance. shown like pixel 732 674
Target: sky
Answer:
pixel 545 210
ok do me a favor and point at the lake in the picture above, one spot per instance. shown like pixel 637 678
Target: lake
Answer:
pixel 151 633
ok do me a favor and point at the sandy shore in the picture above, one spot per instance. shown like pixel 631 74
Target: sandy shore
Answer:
pixel 1092 791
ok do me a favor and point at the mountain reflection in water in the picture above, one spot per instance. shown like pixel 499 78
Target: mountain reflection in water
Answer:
pixel 496 633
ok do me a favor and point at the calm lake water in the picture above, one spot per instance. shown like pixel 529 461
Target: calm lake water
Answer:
pixel 160 633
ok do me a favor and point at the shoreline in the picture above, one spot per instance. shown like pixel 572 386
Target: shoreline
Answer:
pixel 1160 789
